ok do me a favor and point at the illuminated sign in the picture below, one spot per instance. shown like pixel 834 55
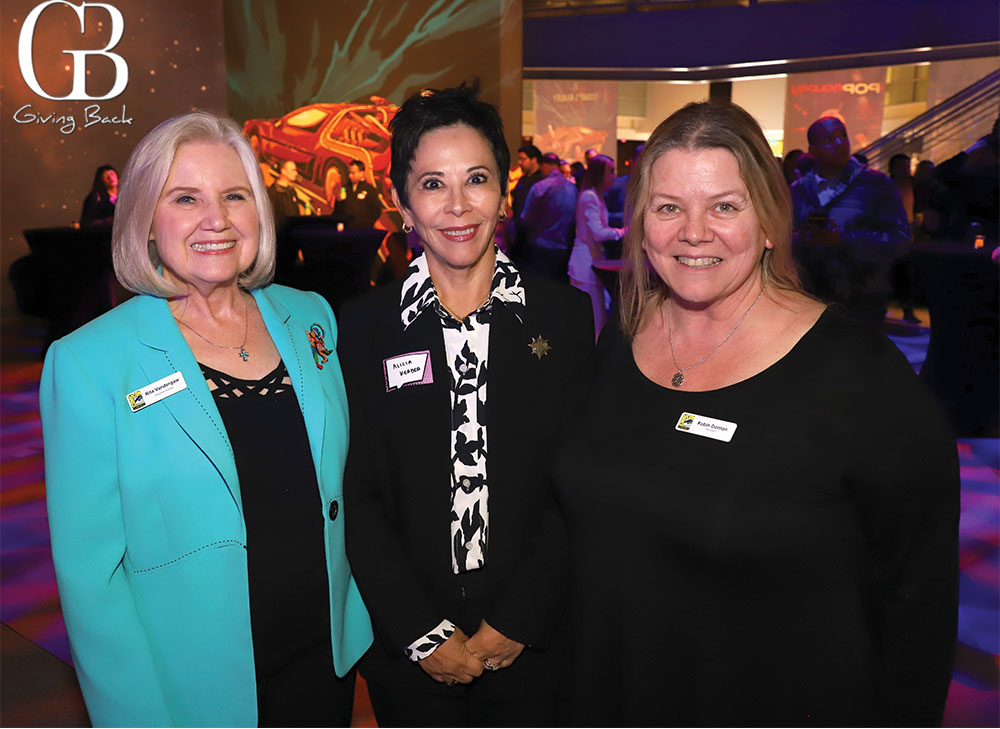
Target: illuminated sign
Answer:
pixel 848 88
pixel 79 91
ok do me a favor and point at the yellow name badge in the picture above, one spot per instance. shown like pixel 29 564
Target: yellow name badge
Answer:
pixel 155 391
pixel 706 427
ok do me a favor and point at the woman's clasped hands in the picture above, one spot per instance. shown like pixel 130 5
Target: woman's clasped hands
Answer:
pixel 461 659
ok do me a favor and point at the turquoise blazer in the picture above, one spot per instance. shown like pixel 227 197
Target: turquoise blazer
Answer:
pixel 148 535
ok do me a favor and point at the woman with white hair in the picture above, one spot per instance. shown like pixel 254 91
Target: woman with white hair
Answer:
pixel 195 439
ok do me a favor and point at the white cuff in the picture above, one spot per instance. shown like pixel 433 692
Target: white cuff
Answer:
pixel 427 644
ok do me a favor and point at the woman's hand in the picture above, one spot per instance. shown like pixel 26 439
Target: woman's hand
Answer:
pixel 452 662
pixel 488 644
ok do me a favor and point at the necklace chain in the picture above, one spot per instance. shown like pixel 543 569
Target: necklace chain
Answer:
pixel 678 379
pixel 246 329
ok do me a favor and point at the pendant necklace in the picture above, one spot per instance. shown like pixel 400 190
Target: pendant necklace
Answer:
pixel 678 379
pixel 246 328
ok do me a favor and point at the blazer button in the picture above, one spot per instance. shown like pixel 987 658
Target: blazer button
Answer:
pixel 334 509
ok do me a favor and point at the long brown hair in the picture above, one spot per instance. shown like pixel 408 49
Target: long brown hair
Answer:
pixel 706 125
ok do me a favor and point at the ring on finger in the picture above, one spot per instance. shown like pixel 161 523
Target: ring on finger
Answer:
pixel 491 665
pixel 450 683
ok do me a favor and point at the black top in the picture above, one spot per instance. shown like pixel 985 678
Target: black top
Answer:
pixel 97 209
pixel 284 203
pixel 804 573
pixel 289 601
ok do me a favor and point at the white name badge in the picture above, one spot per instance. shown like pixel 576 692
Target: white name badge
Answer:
pixel 707 427
pixel 156 391
pixel 408 369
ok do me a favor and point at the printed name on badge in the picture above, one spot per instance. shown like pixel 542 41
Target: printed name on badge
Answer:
pixel 706 427
pixel 156 391
pixel 408 369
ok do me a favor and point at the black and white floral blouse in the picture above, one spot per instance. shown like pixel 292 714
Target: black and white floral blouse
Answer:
pixel 466 345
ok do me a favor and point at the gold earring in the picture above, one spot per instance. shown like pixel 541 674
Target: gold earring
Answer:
pixel 407 228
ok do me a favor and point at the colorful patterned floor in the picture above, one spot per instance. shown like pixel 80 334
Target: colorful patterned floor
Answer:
pixel 29 602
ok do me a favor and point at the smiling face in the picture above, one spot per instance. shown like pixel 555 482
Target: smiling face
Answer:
pixel 701 232
pixel 205 224
pixel 454 199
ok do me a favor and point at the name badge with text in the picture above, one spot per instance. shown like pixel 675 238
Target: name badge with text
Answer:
pixel 706 427
pixel 156 391
pixel 408 369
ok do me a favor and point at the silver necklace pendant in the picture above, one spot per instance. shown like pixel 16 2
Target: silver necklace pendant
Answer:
pixel 677 380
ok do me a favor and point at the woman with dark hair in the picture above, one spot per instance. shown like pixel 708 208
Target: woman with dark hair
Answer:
pixel 454 535
pixel 767 534
pixel 99 205
pixel 592 230
pixel 195 439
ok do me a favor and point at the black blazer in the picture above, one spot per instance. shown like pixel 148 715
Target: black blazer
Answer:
pixel 396 485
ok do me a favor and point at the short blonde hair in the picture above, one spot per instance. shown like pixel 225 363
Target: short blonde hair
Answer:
pixel 706 125
pixel 136 259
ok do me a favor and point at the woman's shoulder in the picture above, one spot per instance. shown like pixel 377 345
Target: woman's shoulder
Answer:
pixel 112 326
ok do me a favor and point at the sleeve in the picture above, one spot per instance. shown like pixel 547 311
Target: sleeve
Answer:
pixel 906 482
pixel 594 217
pixel 111 651
pixel 531 606
pixel 396 600
pixel 533 208
pixel 884 233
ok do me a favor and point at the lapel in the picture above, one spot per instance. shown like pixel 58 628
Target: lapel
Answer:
pixel 291 338
pixel 164 352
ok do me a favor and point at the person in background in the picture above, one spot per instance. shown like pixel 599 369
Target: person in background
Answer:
pixel 788 165
pixel 850 226
pixel 903 274
pixel 453 531
pixel 965 201
pixel 566 170
pixel 577 168
pixel 547 219
pixel 195 439
pixel 99 205
pixel 744 550
pixel 528 160
pixel 614 198
pixel 361 204
pixel 284 200
pixel 899 173
pixel 592 230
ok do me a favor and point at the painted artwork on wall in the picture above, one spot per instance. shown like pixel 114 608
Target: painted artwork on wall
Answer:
pixel 574 116
pixel 322 140
pixel 855 96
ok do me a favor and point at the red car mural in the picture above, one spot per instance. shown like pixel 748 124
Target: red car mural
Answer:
pixel 322 139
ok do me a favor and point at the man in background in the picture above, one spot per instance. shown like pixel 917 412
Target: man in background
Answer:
pixel 361 205
pixel 850 225
pixel 528 160
pixel 284 200
pixel 548 217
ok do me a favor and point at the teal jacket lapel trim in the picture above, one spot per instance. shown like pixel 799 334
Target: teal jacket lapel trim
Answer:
pixel 166 352
pixel 291 338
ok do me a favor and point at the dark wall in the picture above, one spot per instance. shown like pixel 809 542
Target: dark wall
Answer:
pixel 51 147
pixel 716 36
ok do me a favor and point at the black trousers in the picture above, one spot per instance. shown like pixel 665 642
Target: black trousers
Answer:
pixel 466 708
pixel 306 692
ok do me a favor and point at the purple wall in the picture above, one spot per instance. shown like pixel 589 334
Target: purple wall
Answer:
pixel 716 36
